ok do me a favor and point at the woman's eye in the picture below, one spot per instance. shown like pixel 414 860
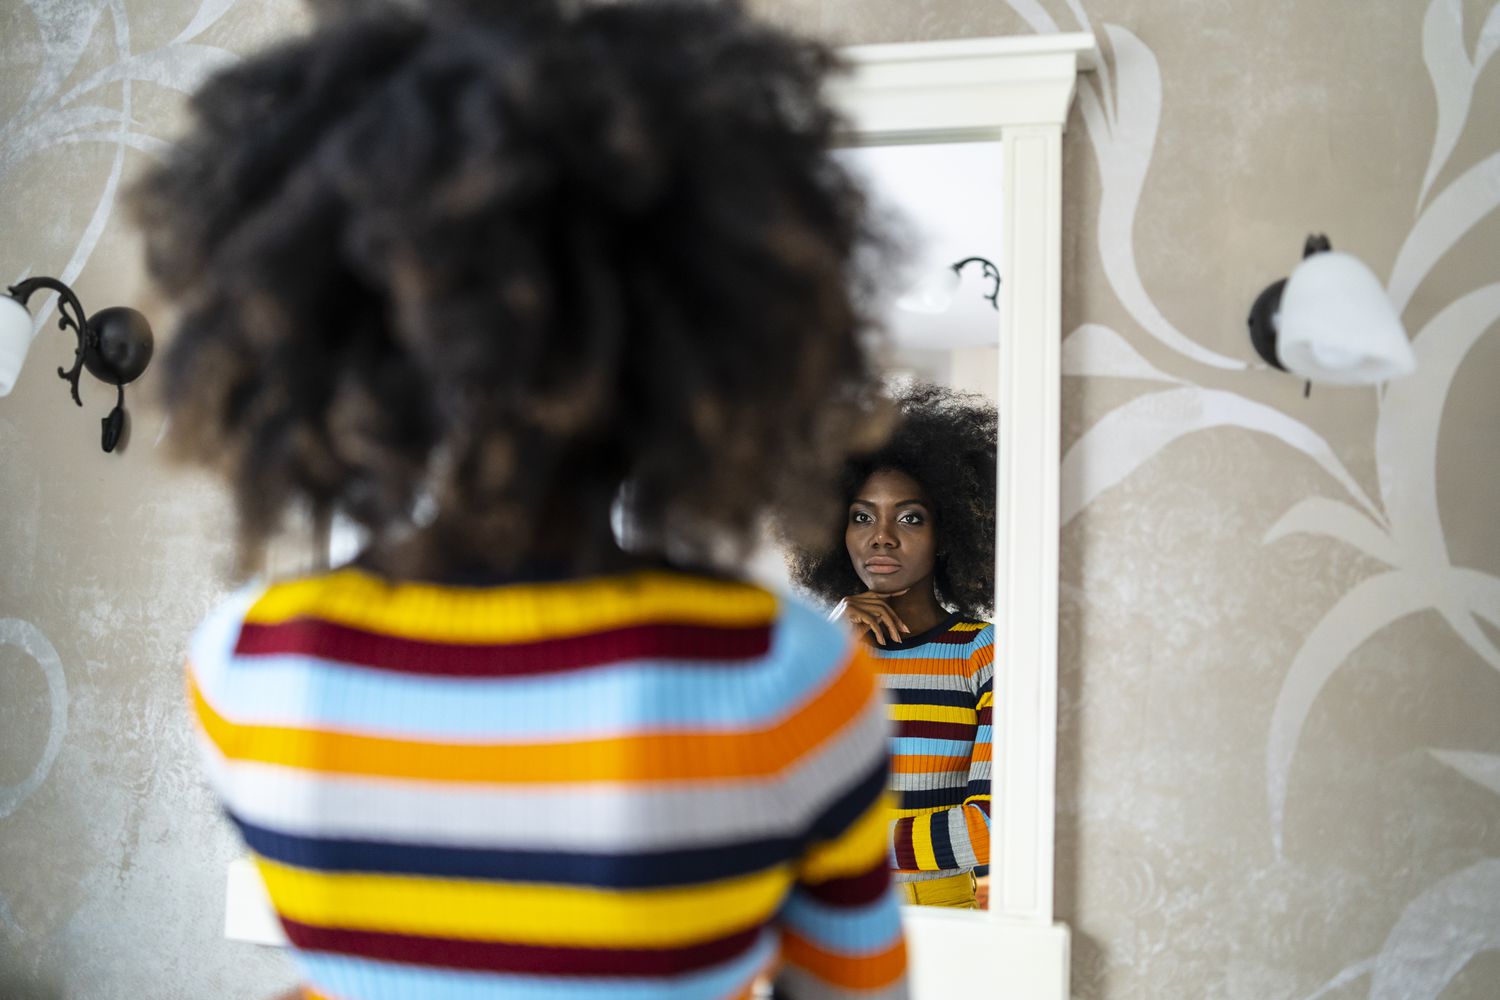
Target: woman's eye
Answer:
pixel 860 517
pixel 910 518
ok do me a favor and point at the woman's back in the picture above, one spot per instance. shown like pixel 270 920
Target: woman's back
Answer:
pixel 646 785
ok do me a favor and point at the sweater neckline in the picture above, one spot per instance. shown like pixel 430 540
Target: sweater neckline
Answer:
pixel 921 638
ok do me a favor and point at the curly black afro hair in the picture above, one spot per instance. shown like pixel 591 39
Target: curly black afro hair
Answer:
pixel 495 262
pixel 946 441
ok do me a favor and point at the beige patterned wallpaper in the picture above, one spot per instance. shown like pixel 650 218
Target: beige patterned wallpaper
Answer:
pixel 1279 740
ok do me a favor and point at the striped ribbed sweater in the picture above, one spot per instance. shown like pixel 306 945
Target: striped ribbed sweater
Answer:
pixel 653 786
pixel 939 687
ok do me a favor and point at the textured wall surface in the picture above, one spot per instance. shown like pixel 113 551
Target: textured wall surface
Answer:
pixel 1279 770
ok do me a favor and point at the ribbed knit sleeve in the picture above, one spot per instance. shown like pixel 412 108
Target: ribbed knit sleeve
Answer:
pixel 841 925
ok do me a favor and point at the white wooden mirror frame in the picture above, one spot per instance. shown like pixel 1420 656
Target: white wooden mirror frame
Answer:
pixel 1017 90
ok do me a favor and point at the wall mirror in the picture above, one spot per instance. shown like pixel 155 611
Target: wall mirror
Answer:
pixel 1006 100
pixel 965 137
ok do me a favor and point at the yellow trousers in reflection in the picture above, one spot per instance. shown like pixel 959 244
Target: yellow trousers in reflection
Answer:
pixel 956 891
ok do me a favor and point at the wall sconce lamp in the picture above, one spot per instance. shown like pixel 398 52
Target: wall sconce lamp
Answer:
pixel 115 345
pixel 933 295
pixel 1330 322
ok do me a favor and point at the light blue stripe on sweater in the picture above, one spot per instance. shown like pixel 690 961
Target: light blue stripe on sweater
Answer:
pixel 939 748
pixel 867 930
pixel 351 978
pixel 630 696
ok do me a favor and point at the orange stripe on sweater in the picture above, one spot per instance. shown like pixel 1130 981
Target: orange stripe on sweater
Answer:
pixel 979 834
pixel 925 764
pixel 867 972
pixel 931 667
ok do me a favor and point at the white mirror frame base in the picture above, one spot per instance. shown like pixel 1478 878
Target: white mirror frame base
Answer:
pixel 1016 90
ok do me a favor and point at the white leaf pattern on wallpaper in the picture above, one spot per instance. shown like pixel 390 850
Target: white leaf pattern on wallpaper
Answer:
pixel 1125 438
pixel 1453 75
pixel 1406 442
pixel 63 30
pixel 51 119
pixel 1123 139
pixel 180 67
pixel 1321 516
pixel 1480 768
pixel 1463 912
pixel 1035 16
pixel 1411 414
pixel 1095 351
pixel 1442 223
pixel 208 13
pixel 32 642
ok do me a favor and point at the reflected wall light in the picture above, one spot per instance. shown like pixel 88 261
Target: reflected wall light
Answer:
pixel 115 345
pixel 1331 322
pixel 933 295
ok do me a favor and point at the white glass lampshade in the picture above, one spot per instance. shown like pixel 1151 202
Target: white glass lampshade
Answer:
pixel 1336 325
pixel 933 295
pixel 15 341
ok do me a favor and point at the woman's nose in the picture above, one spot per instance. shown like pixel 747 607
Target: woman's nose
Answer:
pixel 883 537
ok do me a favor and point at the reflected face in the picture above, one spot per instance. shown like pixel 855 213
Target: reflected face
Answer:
pixel 890 533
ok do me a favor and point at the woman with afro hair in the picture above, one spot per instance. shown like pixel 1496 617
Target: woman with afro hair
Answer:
pixel 471 275
pixel 911 565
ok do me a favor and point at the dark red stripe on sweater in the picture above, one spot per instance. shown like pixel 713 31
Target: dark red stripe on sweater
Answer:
pixel 499 956
pixel 905 850
pixel 854 890
pixel 936 730
pixel 313 637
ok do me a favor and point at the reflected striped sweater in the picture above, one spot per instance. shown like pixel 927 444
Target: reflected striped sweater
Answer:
pixel 654 786
pixel 939 687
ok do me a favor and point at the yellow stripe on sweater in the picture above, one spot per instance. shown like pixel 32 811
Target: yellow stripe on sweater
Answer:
pixel 532 613
pixel 921 845
pixel 933 713
pixel 566 916
pixel 923 811
pixel 864 842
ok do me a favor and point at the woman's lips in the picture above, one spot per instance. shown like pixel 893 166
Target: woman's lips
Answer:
pixel 882 567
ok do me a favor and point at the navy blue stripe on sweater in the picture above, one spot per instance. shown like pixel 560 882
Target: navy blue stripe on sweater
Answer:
pixel 643 870
pixel 928 696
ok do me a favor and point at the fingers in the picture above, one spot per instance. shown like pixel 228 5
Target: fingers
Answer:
pixel 893 625
pixel 870 611
pixel 892 621
pixel 882 622
pixel 873 624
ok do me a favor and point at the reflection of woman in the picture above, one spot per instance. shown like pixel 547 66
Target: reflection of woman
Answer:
pixel 912 568
pixel 465 275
